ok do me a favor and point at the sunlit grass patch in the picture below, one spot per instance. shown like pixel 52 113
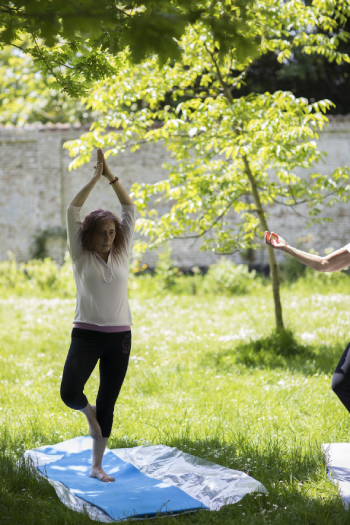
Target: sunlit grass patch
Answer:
pixel 205 375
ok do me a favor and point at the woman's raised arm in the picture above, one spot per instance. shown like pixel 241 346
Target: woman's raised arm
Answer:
pixel 333 262
pixel 122 195
pixel 83 194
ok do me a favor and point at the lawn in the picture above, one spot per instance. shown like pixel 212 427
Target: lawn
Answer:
pixel 196 381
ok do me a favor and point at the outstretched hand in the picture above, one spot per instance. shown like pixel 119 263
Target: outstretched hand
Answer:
pixel 275 240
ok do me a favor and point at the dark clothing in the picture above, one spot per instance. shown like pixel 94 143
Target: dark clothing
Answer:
pixel 87 347
pixel 341 379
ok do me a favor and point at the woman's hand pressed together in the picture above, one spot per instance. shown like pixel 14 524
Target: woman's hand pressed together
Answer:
pixel 99 165
pixel 106 172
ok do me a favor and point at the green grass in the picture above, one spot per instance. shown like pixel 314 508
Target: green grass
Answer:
pixel 198 381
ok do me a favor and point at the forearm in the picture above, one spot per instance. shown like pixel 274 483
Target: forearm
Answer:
pixel 313 261
pixel 334 262
pixel 83 194
pixel 122 195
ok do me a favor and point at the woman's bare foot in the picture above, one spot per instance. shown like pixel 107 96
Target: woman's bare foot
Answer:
pixel 97 472
pixel 95 429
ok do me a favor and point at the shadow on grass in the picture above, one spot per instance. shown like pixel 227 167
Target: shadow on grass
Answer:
pixel 278 350
pixel 26 498
pixel 293 474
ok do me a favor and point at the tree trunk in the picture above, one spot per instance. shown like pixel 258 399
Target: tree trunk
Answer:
pixel 271 253
pixel 261 214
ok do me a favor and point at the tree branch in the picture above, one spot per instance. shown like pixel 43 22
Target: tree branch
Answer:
pixel 290 205
pixel 18 47
pixel 63 16
pixel 10 10
pixel 227 253
pixel 229 67
pixel 199 88
pixel 218 72
pixel 47 65
pixel 218 218
pixel 63 65
pixel 238 79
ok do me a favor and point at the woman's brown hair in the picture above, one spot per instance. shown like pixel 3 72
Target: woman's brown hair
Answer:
pixel 90 225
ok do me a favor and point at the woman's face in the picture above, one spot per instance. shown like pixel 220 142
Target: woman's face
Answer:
pixel 104 237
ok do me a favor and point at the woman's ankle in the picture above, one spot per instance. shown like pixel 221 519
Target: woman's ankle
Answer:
pixel 88 411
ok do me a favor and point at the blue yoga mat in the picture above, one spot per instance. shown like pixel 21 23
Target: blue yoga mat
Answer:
pixel 132 494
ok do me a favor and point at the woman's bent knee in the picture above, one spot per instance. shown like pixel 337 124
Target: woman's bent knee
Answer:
pixel 71 399
pixel 66 397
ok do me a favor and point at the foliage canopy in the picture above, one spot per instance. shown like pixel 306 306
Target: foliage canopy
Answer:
pixel 28 96
pixel 223 146
pixel 78 42
pixel 310 76
pixel 213 138
pixel 58 53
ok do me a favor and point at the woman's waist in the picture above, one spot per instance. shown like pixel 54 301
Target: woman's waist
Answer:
pixel 98 328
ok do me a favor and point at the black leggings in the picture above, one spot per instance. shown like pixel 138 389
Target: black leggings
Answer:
pixel 341 379
pixel 87 347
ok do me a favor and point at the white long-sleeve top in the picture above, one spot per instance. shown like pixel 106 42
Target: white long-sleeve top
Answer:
pixel 102 287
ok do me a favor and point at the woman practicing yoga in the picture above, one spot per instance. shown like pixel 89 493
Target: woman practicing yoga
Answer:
pixel 99 248
pixel 334 262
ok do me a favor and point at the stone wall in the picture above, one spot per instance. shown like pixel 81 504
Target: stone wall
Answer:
pixel 36 186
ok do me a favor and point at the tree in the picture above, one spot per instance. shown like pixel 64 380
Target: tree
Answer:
pixel 310 76
pixel 27 96
pixel 78 42
pixel 224 147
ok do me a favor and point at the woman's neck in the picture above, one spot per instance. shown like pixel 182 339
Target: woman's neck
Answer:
pixel 103 256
